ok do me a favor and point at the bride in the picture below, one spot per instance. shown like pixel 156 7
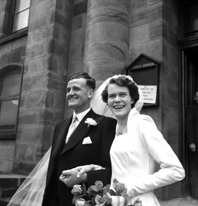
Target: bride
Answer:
pixel 137 147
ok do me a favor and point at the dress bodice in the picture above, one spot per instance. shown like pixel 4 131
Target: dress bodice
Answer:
pixel 130 159
pixel 134 156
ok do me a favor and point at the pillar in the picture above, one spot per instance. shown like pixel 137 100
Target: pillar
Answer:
pixel 107 38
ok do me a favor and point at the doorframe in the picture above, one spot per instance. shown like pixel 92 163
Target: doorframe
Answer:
pixel 185 189
pixel 183 90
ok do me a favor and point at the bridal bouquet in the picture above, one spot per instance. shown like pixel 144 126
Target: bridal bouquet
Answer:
pixel 97 195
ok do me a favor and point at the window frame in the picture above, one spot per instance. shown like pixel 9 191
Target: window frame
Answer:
pixel 7 132
pixel 7 33
pixel 187 23
pixel 15 13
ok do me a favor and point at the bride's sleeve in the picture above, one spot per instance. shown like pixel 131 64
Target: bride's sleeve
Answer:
pixel 171 170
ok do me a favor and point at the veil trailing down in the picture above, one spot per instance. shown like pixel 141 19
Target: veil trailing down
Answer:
pixel 31 191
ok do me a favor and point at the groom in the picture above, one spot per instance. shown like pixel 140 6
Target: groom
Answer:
pixel 85 138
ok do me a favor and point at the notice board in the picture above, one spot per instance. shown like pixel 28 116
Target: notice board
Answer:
pixel 145 72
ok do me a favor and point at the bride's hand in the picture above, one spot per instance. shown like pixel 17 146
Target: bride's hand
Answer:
pixel 86 168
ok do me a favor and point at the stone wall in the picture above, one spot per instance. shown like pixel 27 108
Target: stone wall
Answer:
pixel 43 89
pixel 107 40
pixel 170 89
pixel 153 31
pixel 5 21
pixel 146 37
pixel 10 53
pixel 77 44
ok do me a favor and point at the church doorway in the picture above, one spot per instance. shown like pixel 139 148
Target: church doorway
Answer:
pixel 190 118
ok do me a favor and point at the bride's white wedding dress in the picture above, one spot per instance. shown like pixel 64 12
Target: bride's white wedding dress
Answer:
pixel 134 156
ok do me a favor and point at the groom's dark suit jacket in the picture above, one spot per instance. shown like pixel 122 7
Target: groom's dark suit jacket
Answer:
pixel 75 153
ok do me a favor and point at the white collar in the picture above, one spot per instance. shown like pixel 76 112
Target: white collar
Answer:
pixel 81 115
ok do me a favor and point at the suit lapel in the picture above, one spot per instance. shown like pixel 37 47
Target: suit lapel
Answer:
pixel 80 131
pixel 59 143
pixel 61 137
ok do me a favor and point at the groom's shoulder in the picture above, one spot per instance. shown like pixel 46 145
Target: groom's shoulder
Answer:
pixel 106 119
pixel 63 122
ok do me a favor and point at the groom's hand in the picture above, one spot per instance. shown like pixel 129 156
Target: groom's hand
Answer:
pixel 86 168
pixel 69 177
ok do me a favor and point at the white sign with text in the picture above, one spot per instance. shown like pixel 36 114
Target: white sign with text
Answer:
pixel 149 93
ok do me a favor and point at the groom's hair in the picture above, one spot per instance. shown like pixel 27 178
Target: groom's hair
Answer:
pixel 122 81
pixel 91 82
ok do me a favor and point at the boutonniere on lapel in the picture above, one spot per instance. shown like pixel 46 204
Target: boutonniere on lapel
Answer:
pixel 90 122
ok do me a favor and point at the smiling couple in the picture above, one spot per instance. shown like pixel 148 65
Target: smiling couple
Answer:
pixel 102 148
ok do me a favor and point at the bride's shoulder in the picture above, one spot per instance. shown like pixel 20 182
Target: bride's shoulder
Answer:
pixel 138 117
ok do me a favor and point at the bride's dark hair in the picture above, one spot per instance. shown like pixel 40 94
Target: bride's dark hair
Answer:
pixel 123 81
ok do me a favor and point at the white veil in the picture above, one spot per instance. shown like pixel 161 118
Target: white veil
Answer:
pixel 30 193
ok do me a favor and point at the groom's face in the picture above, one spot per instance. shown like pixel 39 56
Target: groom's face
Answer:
pixel 79 95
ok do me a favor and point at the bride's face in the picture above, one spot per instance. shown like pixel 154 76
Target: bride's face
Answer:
pixel 119 101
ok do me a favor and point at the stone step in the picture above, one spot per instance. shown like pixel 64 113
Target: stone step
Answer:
pixel 9 183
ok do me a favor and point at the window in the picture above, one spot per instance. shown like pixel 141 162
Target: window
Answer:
pixel 21 14
pixel 10 86
pixel 15 19
pixel 190 18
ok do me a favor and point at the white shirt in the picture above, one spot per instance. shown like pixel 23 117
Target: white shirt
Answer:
pixel 79 116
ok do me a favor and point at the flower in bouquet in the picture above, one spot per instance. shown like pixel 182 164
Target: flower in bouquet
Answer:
pixel 93 196
pixel 97 195
pixel 120 196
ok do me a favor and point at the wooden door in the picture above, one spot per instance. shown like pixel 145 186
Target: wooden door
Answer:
pixel 191 119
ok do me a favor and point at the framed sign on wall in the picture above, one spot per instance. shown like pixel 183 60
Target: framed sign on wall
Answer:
pixel 145 72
